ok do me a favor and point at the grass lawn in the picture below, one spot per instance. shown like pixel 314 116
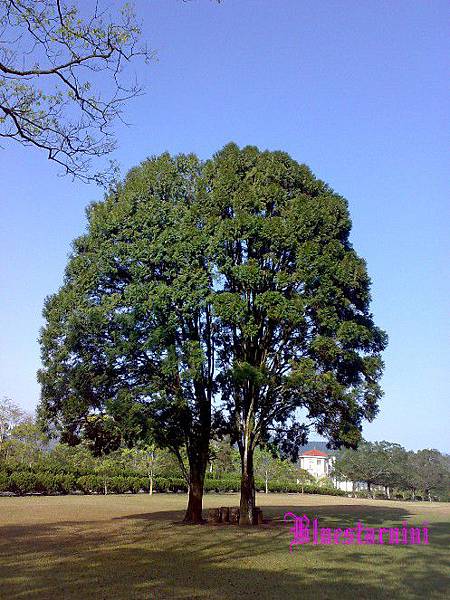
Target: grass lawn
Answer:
pixel 135 547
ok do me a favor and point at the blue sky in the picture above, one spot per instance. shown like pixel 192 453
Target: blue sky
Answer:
pixel 356 90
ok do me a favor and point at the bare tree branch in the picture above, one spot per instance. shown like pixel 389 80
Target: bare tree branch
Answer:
pixel 55 64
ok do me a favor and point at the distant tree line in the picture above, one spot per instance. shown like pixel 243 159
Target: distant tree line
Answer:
pixel 424 474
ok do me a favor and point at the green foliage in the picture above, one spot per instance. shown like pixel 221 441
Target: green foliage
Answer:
pixel 23 482
pixel 4 482
pixel 428 471
pixel 295 330
pixel 390 465
pixel 127 350
pixel 11 416
pixel 374 463
pixel 90 483
pixel 231 483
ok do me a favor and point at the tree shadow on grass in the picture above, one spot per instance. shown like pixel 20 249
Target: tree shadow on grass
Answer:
pixel 147 556
pixel 342 515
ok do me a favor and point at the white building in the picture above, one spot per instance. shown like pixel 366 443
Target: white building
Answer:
pixel 320 464
pixel 317 463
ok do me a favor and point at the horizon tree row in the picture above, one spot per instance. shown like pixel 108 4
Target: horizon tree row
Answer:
pixel 391 466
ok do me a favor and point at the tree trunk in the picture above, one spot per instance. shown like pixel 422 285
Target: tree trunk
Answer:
pixel 195 491
pixel 150 490
pixel 247 503
pixel 198 455
pixel 387 492
pixel 267 484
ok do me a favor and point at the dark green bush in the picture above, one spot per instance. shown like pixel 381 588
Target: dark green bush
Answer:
pixel 23 482
pixel 228 484
pixel 134 484
pixel 118 485
pixel 362 494
pixel 4 482
pixel 47 482
pixel 177 484
pixel 145 484
pixel 89 484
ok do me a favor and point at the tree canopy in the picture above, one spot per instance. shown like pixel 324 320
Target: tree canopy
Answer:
pixel 391 466
pixel 292 304
pixel 130 332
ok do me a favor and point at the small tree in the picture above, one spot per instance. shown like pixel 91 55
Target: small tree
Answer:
pixel 148 459
pixel 270 466
pixel 223 458
pixel 72 459
pixel 265 466
pixel 303 477
pixel 104 467
pixel 27 442
pixel 10 416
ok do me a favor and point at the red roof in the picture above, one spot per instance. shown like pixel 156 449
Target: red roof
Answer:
pixel 315 453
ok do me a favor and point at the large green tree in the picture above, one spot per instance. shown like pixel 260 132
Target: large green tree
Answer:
pixel 292 306
pixel 234 281
pixel 375 463
pixel 129 334
pixel 426 470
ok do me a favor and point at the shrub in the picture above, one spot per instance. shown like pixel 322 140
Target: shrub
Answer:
pixel 89 484
pixel 67 483
pixel 4 482
pixel 362 494
pixel 177 484
pixel 23 482
pixel 145 484
pixel 160 484
pixel 228 484
pixel 118 484
pixel 134 484
pixel 323 490
pixel 47 483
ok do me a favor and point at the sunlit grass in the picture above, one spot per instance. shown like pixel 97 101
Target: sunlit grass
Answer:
pixel 135 547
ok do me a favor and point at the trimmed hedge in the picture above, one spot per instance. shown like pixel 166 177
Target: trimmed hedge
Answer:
pixel 46 482
pixel 229 484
